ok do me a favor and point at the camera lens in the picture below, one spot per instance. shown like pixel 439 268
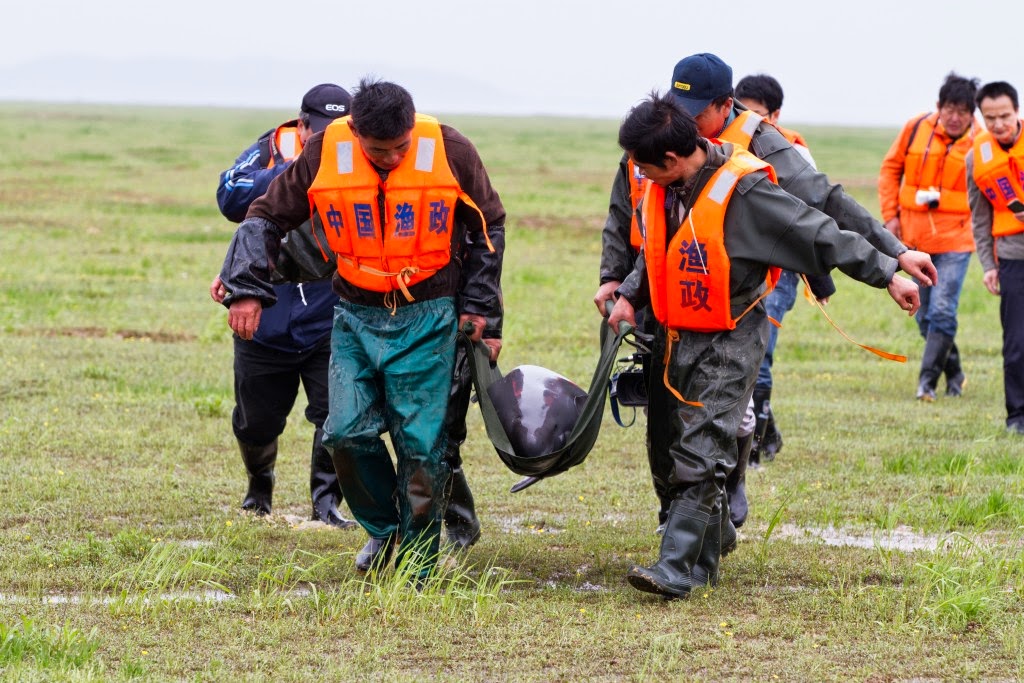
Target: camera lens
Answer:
pixel 933 204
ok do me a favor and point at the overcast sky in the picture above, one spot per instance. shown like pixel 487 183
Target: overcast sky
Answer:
pixel 873 62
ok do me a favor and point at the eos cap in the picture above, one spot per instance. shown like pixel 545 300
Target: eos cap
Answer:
pixel 699 79
pixel 324 103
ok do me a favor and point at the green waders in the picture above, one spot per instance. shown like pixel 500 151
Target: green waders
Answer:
pixel 391 371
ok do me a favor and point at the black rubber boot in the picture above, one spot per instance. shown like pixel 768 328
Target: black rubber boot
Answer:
pixel 460 519
pixel 937 347
pixel 955 378
pixel 706 570
pixel 763 415
pixel 259 464
pixel 736 484
pixel 688 517
pixel 375 554
pixel 730 538
pixel 324 489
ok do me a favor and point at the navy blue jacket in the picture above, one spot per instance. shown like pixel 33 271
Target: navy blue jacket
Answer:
pixel 304 313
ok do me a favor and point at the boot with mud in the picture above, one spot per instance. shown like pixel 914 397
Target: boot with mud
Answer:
pixel 672 576
pixel 460 520
pixel 259 465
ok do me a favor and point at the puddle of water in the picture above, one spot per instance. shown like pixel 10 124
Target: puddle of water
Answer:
pixel 587 587
pixel 75 599
pixel 901 538
pixel 519 525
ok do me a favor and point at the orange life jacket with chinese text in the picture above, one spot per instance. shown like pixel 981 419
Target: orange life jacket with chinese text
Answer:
pixel 689 276
pixel 998 174
pixel 412 239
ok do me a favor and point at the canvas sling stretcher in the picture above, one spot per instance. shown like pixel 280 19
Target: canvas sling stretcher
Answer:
pixel 580 440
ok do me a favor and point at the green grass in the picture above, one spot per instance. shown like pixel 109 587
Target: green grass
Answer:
pixel 124 555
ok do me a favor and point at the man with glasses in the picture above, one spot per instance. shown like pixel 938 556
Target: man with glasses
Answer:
pixel 922 188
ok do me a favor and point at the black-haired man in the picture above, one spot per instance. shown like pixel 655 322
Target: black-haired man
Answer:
pixel 922 188
pixel 995 190
pixel 713 224
pixel 292 345
pixel 398 198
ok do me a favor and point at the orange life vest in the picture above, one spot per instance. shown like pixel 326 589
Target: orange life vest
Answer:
pixel 412 240
pixel 742 128
pixel 689 276
pixel 793 137
pixel 998 174
pixel 931 164
pixel 636 193
pixel 285 144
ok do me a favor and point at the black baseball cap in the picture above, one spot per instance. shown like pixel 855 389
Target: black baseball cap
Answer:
pixel 699 79
pixel 324 103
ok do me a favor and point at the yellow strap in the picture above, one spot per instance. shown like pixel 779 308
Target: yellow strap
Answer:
pixel 754 303
pixel 483 221
pixel 403 276
pixel 878 352
pixel 673 337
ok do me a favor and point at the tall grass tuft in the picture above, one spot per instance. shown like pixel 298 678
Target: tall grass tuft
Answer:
pixel 967 582
pixel 56 649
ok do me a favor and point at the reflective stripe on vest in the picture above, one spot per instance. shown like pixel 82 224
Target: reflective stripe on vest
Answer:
pixel 689 277
pixel 741 130
pixel 998 174
pixel 931 164
pixel 285 145
pixel 413 239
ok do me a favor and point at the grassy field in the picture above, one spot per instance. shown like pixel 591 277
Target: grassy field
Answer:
pixel 885 542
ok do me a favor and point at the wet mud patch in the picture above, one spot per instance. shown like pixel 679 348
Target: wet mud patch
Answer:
pixel 86 332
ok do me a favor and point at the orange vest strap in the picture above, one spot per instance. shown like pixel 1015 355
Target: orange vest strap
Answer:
pixel 673 337
pixel 878 352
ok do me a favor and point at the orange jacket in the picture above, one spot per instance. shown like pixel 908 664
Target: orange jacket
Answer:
pixel 413 239
pixel 925 157
pixel 689 276
pixel 998 173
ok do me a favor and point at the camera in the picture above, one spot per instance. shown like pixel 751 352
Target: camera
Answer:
pixel 929 198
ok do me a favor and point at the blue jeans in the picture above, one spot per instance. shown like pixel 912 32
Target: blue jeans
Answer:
pixel 776 304
pixel 939 303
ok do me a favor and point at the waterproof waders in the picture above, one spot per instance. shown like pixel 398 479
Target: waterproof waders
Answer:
pixel 460 520
pixel 391 371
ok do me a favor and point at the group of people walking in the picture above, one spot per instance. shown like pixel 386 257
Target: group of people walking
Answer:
pixel 714 214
